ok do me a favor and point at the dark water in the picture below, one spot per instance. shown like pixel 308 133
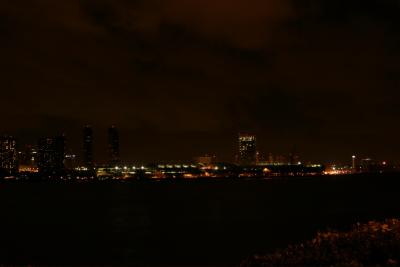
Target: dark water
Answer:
pixel 216 223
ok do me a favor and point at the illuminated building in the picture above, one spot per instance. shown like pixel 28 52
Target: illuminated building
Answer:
pixel 247 149
pixel 88 147
pixel 354 163
pixel 51 155
pixel 27 159
pixel 8 155
pixel 70 161
pixel 113 146
pixel 205 160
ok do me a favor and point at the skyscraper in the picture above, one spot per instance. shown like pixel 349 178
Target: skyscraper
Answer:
pixel 8 155
pixel 247 149
pixel 88 147
pixel 27 159
pixel 51 153
pixel 113 146
pixel 354 163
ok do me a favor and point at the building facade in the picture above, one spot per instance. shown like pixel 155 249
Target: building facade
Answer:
pixel 247 149
pixel 8 155
pixel 27 159
pixel 88 156
pixel 51 155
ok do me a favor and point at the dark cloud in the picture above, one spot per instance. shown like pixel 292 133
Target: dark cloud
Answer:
pixel 321 74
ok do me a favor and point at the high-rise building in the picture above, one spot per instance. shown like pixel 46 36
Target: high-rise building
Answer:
pixel 247 149
pixel 25 156
pixel 8 155
pixel 88 160
pixel 113 146
pixel 51 155
pixel 27 159
pixel 354 163
pixel 70 161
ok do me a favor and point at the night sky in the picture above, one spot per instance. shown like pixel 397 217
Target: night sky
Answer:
pixel 180 78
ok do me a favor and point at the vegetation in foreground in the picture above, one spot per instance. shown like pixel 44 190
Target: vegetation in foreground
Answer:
pixel 370 244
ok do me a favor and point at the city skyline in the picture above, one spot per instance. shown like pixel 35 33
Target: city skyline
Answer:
pixel 194 133
pixel 245 151
pixel 52 159
pixel 313 74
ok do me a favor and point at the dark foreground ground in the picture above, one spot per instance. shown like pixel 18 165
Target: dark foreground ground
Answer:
pixel 197 223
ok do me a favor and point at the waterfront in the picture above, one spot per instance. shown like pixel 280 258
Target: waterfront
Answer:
pixel 186 222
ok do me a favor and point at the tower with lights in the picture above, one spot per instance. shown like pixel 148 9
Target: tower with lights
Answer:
pixel 247 149
pixel 8 155
pixel 354 163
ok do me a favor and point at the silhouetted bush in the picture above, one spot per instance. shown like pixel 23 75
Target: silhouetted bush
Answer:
pixel 371 244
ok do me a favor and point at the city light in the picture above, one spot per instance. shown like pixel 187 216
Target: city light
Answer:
pixel 50 159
